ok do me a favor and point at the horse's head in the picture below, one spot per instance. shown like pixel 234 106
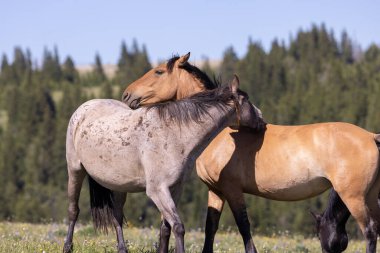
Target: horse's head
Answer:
pixel 173 80
pixel 332 235
pixel 247 115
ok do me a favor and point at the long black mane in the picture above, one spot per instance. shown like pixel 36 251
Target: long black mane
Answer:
pixel 194 108
pixel 196 72
pixel 336 210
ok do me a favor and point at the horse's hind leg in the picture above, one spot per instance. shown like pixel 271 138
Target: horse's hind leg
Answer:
pixel 365 209
pixel 76 175
pixel 165 229
pixel 359 211
pixel 214 210
pixel 119 201
pixel 237 204
pixel 373 227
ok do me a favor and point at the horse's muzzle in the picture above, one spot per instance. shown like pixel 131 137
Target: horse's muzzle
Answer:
pixel 132 101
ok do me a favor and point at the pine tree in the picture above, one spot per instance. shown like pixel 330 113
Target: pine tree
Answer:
pixel 143 62
pixel 372 54
pixel 229 64
pixel 252 71
pixel 123 65
pixel 346 48
pixel 69 73
pixel 19 64
pixel 6 74
pixel 132 65
pixel 206 67
pixel 98 69
pixel 51 68
pixel 4 64
pixel 373 116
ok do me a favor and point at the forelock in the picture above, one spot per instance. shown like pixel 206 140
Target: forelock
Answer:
pixel 171 62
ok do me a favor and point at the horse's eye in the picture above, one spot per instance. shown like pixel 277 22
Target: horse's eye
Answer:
pixel 159 72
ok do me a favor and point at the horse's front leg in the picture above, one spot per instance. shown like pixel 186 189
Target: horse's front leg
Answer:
pixel 236 202
pixel 214 210
pixel 161 196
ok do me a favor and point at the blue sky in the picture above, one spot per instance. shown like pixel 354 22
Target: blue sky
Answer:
pixel 81 28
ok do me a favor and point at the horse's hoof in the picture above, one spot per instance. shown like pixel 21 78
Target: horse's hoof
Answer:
pixel 68 248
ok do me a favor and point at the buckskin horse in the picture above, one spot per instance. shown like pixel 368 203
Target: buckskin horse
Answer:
pixel 282 163
pixel 149 149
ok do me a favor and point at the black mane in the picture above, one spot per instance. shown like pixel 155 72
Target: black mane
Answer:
pixel 336 210
pixel 193 108
pixel 196 72
pixel 170 64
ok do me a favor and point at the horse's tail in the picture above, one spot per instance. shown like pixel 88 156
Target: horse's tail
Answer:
pixel 102 205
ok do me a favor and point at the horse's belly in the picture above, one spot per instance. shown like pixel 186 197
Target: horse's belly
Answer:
pixel 115 167
pixel 119 182
pixel 289 189
pixel 127 178
pixel 289 173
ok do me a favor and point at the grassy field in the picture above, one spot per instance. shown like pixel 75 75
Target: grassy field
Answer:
pixel 22 237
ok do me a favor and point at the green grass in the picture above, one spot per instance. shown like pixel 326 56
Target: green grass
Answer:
pixel 23 237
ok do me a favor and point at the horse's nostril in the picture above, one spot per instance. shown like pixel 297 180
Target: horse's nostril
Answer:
pixel 125 97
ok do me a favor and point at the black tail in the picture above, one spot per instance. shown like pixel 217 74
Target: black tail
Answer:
pixel 102 205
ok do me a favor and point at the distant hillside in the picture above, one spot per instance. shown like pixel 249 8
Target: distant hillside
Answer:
pixel 110 69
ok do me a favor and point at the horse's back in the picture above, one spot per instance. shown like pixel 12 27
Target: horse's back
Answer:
pixel 317 150
pixel 97 108
pixel 340 140
pixel 319 136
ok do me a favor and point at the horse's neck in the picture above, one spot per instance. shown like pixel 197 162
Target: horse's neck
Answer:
pixel 201 134
pixel 189 87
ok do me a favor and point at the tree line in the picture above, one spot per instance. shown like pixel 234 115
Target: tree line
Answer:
pixel 314 77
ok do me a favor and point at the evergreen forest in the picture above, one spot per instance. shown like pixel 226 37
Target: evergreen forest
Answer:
pixel 316 76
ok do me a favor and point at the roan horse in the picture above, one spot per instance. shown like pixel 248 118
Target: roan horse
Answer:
pixel 150 149
pixel 282 163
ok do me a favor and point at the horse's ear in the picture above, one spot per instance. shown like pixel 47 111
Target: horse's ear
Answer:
pixel 234 84
pixel 183 59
